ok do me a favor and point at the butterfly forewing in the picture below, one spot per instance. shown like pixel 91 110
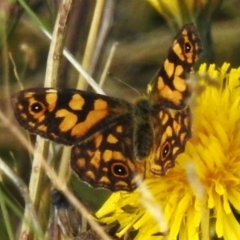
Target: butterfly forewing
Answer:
pixel 66 116
pixel 169 88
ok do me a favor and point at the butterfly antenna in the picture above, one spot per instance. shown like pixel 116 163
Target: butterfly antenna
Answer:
pixel 124 83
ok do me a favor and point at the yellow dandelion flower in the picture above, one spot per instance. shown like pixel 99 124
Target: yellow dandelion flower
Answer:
pixel 184 11
pixel 196 199
pixel 168 9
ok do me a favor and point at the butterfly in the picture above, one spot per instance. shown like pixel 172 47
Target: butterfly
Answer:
pixel 112 139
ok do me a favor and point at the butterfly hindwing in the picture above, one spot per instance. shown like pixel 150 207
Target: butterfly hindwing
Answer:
pixel 107 160
pixel 170 138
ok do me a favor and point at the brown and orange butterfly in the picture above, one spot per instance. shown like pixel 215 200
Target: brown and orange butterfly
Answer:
pixel 112 139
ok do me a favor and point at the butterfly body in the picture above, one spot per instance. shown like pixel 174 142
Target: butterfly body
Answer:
pixel 112 139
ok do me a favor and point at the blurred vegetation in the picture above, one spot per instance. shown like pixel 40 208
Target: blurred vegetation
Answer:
pixel 143 37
